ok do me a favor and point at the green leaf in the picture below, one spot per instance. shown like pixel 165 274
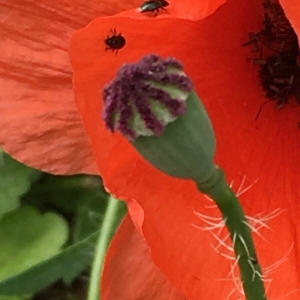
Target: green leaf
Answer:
pixel 81 199
pixel 27 238
pixel 65 265
pixel 90 216
pixel 12 298
pixel 15 180
pixel 65 193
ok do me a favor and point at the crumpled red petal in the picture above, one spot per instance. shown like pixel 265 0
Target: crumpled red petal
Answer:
pixel 39 123
pixel 259 157
pixel 43 130
pixel 130 274
pixel 192 10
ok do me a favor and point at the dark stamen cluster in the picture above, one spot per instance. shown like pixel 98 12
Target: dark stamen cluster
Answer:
pixel 131 95
pixel 278 51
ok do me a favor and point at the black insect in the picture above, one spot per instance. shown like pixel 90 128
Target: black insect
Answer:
pixel 153 6
pixel 115 42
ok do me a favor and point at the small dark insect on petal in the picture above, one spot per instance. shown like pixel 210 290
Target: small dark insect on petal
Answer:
pixel 115 42
pixel 153 6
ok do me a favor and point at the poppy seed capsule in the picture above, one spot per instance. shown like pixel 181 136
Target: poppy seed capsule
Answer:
pixel 152 104
pixel 146 96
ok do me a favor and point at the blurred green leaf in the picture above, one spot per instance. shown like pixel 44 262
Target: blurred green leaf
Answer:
pixel 65 193
pixel 15 180
pixel 66 265
pixel 81 198
pixel 27 238
pixel 86 223
pixel 90 217
pixel 12 298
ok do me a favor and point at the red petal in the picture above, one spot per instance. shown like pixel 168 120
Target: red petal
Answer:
pixel 46 134
pixel 39 123
pixel 292 11
pixel 129 273
pixel 248 150
pixel 189 9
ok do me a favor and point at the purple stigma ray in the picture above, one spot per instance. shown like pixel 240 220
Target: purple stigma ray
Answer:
pixel 131 93
pixel 175 106
pixel 123 125
pixel 150 120
pixel 172 79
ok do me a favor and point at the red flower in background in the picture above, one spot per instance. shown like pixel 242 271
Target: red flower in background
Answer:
pixel 40 126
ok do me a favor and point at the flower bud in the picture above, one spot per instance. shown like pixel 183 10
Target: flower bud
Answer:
pixel 153 105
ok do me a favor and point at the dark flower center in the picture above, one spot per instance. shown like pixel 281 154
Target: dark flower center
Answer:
pixel 276 46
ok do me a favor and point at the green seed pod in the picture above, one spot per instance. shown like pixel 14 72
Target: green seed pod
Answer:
pixel 187 146
pixel 152 104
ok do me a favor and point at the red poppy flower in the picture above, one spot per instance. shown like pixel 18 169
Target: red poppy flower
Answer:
pixel 259 156
pixel 161 207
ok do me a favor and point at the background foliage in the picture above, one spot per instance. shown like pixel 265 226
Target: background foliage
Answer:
pixel 48 229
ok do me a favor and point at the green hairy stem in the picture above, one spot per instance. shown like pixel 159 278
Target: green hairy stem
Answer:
pixel 251 276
